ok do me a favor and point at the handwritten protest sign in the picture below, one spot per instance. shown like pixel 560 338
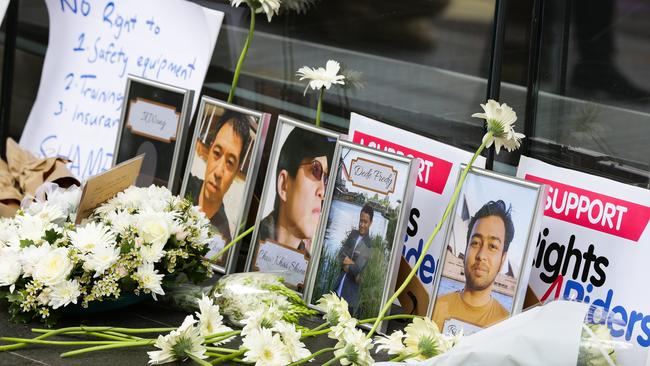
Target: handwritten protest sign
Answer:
pixel 92 47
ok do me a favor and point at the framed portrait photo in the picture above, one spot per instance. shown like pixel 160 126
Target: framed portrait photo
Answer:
pixel 359 246
pixel 292 200
pixel 155 118
pixel 221 170
pixel 488 251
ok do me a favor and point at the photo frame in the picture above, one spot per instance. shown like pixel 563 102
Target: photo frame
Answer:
pixel 489 247
pixel 222 168
pixel 292 200
pixel 154 121
pixel 360 241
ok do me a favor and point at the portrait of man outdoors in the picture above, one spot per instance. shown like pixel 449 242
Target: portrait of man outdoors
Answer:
pixel 300 181
pixel 225 147
pixel 354 256
pixel 489 234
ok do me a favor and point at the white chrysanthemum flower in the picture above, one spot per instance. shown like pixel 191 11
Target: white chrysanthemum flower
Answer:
pixel 336 309
pixel 8 233
pixel 291 339
pixel 322 77
pixel 269 7
pixel 152 253
pixel 64 293
pixel 354 348
pixel 422 338
pixel 120 220
pixel 101 258
pixel 149 279
pixel 265 348
pixel 179 344
pixel 53 267
pixel 32 228
pixel 30 256
pixel 45 211
pixel 392 344
pixel 500 119
pixel 154 227
pixel 66 199
pixel 210 318
pixel 91 236
pixel 266 317
pixel 10 268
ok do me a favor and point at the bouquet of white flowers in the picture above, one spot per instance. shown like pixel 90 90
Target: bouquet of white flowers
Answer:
pixel 135 243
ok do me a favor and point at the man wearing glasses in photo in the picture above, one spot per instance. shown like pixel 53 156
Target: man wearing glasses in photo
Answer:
pixel 301 176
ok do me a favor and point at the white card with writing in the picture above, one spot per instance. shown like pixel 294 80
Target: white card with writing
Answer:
pixel 92 47
pixel 153 120
pixel 454 326
pixel 273 257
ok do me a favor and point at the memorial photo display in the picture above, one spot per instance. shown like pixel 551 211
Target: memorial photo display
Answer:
pixel 358 248
pixel 292 200
pixel 155 118
pixel 487 254
pixel 222 168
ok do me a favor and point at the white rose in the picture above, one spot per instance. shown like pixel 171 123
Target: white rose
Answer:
pixel 10 268
pixel 53 268
pixel 64 293
pixel 154 228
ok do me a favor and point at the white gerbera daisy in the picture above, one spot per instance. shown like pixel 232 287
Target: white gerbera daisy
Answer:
pixel 180 344
pixel 335 308
pixel 500 119
pixel 291 339
pixel 263 318
pixel 392 344
pixel 269 7
pixel 90 236
pixel 321 77
pixel 64 293
pixel 422 338
pixel 265 348
pixel 354 348
pixel 210 318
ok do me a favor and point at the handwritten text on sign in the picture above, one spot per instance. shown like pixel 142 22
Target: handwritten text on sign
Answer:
pixel 373 176
pixel 92 46
pixel 153 120
pixel 273 257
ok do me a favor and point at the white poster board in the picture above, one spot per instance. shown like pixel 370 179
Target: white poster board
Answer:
pixel 593 247
pixel 436 179
pixel 92 47
pixel 4 4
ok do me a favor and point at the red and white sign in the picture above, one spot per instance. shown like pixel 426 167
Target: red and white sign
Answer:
pixel 437 177
pixel 593 248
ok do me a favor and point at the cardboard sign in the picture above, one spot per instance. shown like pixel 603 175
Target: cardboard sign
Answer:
pixel 435 184
pixel 92 47
pixel 153 120
pixel 105 186
pixel 592 248
pixel 373 176
pixel 273 257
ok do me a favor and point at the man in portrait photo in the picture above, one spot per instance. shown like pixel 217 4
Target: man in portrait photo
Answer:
pixel 229 142
pixel 489 234
pixel 354 256
pixel 300 180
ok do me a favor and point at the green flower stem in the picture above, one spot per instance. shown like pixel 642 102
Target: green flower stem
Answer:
pixel 315 333
pixel 404 357
pixel 332 361
pixel 222 350
pixel 144 342
pixel 242 57
pixel 221 335
pixel 414 270
pixel 55 343
pixel 312 356
pixel 199 361
pixel 108 336
pixel 231 356
pixel 233 242
pixel 217 339
pixel 319 108
pixel 390 317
